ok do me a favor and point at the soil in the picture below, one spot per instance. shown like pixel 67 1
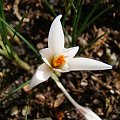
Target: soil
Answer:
pixel 98 90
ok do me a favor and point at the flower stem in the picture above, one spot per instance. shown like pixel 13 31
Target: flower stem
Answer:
pixel 86 112
pixel 57 81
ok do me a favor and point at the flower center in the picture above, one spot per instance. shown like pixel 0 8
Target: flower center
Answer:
pixel 58 60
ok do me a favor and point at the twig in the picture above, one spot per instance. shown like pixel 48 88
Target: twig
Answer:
pixel 105 85
pixel 16 11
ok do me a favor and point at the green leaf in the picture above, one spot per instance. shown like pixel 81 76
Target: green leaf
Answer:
pixel 25 40
pixel 14 91
pixel 91 43
pixel 3 30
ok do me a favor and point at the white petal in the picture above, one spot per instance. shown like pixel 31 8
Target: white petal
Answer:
pixel 47 55
pixel 42 73
pixel 87 64
pixel 90 115
pixel 70 52
pixel 63 69
pixel 56 36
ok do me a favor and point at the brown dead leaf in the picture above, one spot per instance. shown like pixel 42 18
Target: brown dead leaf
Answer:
pixel 117 83
pixel 59 115
pixel 59 100
pixel 25 88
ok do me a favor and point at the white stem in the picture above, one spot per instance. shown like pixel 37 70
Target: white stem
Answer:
pixel 79 107
pixel 87 113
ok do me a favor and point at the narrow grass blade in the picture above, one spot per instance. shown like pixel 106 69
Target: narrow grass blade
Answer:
pixel 17 27
pixel 3 29
pixel 101 13
pixel 50 8
pixel 88 22
pixel 87 19
pixel 27 107
pixel 25 40
pixel 91 43
pixel 77 13
pixel 14 91
pixel 67 11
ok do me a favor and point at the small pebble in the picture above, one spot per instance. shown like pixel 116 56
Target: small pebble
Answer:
pixel 60 99
pixel 112 91
pixel 96 101
pixel 40 46
pixel 83 83
pixel 14 111
pixel 25 110
pixel 40 97
pixel 1 57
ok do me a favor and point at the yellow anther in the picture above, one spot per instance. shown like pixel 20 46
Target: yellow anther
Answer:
pixel 58 60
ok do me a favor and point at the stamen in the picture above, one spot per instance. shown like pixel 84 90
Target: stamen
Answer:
pixel 58 60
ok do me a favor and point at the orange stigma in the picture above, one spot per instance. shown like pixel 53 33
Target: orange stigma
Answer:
pixel 58 60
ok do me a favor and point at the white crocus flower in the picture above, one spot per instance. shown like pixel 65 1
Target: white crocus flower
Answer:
pixel 58 58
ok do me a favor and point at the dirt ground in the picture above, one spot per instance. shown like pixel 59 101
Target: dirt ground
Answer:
pixel 98 90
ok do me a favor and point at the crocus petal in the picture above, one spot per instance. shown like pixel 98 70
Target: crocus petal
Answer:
pixel 87 64
pixel 63 69
pixel 56 36
pixel 90 115
pixel 47 55
pixel 70 52
pixel 42 73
